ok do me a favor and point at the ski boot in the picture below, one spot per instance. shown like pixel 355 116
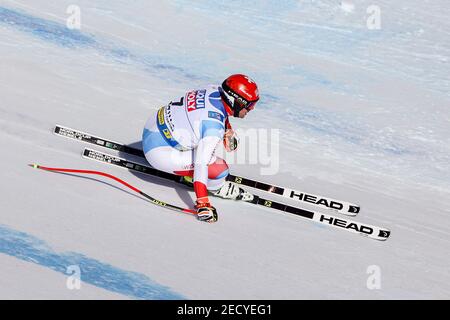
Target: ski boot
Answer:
pixel 231 190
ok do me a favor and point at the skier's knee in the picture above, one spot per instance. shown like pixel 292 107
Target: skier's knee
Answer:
pixel 218 170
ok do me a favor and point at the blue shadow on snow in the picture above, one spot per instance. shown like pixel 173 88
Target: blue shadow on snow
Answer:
pixel 31 249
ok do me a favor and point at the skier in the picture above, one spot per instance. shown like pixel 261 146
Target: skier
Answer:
pixel 181 138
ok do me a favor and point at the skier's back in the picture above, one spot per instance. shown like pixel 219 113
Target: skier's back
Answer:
pixel 182 137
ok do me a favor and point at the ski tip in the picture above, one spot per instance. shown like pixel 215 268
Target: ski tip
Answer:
pixel 353 209
pixel 34 165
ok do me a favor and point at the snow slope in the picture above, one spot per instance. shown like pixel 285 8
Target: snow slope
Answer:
pixel 363 116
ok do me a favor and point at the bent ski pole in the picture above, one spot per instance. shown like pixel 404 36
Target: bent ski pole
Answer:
pixel 99 173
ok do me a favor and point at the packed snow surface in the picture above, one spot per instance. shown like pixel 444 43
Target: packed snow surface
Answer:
pixel 355 105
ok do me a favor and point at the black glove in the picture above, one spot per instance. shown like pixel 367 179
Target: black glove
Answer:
pixel 207 213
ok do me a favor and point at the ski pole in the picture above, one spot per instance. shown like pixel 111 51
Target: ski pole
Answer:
pixel 99 173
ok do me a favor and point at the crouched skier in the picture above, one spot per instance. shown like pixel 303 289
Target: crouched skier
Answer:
pixel 181 138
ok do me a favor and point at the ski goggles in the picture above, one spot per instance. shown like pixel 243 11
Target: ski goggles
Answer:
pixel 251 105
pixel 243 104
pixel 238 102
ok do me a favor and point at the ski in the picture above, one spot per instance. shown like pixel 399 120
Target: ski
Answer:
pixel 342 207
pixel 370 231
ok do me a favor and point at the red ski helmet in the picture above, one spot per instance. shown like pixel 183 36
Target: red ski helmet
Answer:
pixel 239 92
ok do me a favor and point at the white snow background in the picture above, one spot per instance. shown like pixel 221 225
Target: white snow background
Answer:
pixel 364 116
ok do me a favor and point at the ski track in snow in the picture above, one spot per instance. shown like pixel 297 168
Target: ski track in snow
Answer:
pixel 59 34
pixel 377 141
pixel 333 79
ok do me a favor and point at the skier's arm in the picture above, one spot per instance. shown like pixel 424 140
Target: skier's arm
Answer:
pixel 211 134
pixel 228 124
